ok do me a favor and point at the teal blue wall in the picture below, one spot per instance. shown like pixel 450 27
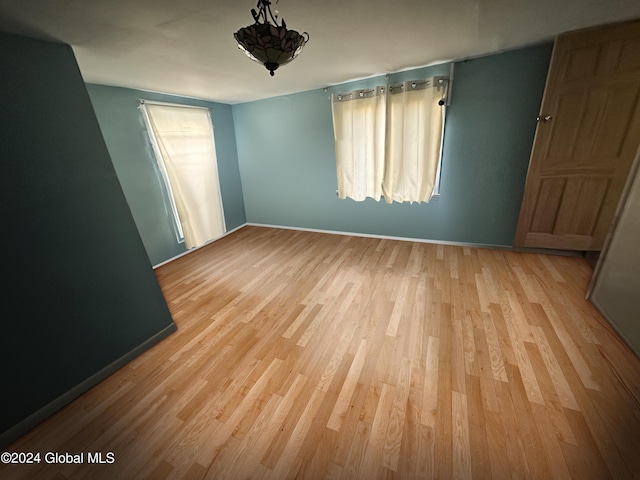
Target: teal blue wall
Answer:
pixel 287 158
pixel 79 293
pixel 126 138
pixel 283 169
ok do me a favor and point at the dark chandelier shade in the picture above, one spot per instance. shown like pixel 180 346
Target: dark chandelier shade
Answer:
pixel 268 43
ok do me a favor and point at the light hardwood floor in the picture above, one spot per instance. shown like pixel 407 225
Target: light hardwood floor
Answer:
pixel 307 355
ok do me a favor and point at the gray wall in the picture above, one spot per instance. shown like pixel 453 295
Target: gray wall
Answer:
pixel 617 281
pixel 126 138
pixel 79 293
pixel 287 158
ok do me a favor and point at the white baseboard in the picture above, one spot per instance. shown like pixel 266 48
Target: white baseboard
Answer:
pixel 197 248
pixel 385 237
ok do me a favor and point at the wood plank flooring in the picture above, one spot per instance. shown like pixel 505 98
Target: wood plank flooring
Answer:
pixel 308 355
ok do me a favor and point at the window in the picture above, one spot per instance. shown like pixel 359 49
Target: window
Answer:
pixel 359 123
pixel 183 143
pixel 389 141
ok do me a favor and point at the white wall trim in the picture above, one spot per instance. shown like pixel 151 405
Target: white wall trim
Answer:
pixel 381 237
pixel 198 248
pixel 385 237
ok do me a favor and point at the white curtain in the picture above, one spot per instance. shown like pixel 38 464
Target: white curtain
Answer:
pixel 388 141
pixel 414 137
pixel 185 146
pixel 359 130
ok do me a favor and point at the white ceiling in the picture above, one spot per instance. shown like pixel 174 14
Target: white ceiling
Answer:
pixel 187 47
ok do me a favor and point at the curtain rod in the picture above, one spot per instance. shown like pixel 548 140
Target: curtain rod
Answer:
pixel 168 104
pixel 436 81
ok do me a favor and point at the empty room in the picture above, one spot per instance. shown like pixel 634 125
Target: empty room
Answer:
pixel 293 239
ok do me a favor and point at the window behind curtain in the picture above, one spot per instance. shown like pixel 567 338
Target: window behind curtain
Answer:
pixel 389 141
pixel 183 142
pixel 359 127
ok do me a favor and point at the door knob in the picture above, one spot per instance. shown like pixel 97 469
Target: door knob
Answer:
pixel 544 119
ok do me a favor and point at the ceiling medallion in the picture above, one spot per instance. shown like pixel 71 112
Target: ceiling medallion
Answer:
pixel 268 43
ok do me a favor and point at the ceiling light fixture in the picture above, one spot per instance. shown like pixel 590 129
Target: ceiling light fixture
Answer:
pixel 268 43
